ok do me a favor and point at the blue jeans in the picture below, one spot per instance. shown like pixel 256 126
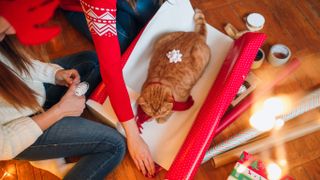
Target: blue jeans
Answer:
pixel 102 148
pixel 129 21
pixel 86 63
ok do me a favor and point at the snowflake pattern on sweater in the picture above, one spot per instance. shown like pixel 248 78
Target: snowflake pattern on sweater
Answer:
pixel 101 21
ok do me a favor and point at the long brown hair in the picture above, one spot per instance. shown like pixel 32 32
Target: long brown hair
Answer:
pixel 12 89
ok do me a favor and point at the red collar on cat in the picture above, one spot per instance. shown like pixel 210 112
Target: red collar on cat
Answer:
pixel 177 106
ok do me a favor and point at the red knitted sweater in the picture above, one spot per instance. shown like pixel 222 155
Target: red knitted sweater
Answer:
pixel 101 19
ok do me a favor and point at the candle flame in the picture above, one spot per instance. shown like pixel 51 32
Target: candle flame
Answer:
pixel 283 162
pixel 274 171
pixel 262 121
pixel 274 105
pixel 265 119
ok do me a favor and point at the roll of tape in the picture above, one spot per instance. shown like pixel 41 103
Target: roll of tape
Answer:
pixel 258 61
pixel 279 54
pixel 255 22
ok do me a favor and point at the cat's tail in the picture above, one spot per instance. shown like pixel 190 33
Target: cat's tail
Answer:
pixel 200 22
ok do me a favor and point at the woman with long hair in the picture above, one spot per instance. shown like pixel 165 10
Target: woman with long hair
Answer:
pixel 39 111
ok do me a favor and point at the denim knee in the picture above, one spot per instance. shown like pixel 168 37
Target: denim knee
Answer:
pixel 111 140
pixel 121 149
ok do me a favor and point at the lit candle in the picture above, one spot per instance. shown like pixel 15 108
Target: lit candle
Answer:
pixel 274 106
pixel 274 171
pixel 261 121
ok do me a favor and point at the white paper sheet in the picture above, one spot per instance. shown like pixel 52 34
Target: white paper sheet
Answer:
pixel 165 139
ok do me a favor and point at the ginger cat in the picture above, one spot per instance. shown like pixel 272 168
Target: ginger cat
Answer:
pixel 168 82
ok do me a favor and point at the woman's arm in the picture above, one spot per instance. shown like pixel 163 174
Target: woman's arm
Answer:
pixel 48 118
pixel 138 149
pixel 18 134
pixel 44 72
pixel 69 105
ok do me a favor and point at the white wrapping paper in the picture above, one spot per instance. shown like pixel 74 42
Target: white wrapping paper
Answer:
pixel 165 140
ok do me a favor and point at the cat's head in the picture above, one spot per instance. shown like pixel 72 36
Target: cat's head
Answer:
pixel 156 100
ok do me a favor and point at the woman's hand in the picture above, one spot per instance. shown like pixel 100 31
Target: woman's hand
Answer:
pixel 141 155
pixel 138 149
pixel 70 104
pixel 67 77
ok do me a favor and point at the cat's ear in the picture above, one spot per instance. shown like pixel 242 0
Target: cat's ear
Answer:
pixel 141 101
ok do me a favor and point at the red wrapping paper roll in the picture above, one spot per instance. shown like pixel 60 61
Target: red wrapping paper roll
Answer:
pixel 231 116
pixel 225 87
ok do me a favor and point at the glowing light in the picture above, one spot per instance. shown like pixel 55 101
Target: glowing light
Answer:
pixel 279 123
pixel 265 119
pixel 6 174
pixel 283 162
pixel 262 121
pixel 274 105
pixel 274 171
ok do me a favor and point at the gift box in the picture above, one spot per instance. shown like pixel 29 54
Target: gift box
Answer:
pixel 250 168
pixel 229 65
pixel 247 168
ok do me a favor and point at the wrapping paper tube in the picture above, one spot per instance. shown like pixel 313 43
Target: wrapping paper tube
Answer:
pixel 279 138
pixel 234 141
pixel 308 103
pixel 250 99
pixel 225 87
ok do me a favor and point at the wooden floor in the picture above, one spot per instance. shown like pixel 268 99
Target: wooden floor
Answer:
pixel 295 23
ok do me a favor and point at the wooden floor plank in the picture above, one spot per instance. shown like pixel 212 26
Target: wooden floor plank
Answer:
pixel 300 29
pixel 313 169
pixel 37 174
pixel 311 11
pixel 275 33
pixel 24 170
pixel 299 173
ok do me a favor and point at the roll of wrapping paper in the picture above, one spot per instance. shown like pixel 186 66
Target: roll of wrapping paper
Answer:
pixel 230 77
pixel 306 104
pixel 260 91
pixel 260 145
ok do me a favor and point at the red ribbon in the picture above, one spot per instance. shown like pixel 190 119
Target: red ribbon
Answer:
pixel 177 106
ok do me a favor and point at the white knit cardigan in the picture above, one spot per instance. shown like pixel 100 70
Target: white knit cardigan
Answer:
pixel 17 130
